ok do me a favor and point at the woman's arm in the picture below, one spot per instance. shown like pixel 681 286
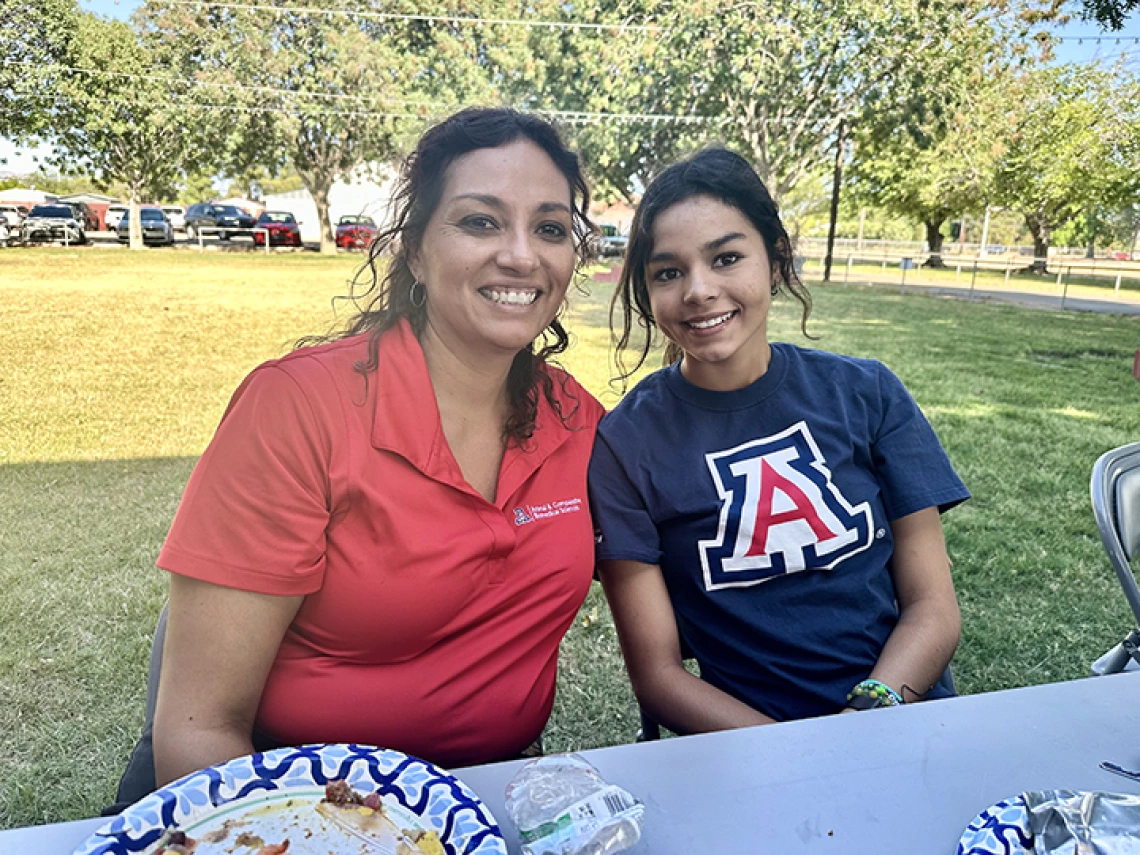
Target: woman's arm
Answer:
pixel 220 644
pixel 647 630
pixel 924 640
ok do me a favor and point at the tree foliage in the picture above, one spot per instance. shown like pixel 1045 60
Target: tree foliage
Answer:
pixel 123 127
pixel 783 74
pixel 36 37
pixel 1071 142
pixel 333 95
pixel 925 149
pixel 1110 14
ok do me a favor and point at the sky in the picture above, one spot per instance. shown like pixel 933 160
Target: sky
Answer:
pixel 1110 46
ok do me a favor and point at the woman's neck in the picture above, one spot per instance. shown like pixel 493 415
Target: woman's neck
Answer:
pixel 462 383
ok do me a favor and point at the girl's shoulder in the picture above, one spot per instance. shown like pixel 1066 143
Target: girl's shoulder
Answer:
pixel 856 374
pixel 648 399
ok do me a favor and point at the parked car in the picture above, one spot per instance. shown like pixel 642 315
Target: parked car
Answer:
pixel 13 216
pixel 53 222
pixel 223 220
pixel 610 243
pixel 4 233
pixel 155 227
pixel 113 215
pixel 354 231
pixel 84 215
pixel 283 229
pixel 176 214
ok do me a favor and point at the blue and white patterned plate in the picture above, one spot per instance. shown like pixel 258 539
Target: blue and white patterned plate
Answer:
pixel 1002 829
pixel 277 792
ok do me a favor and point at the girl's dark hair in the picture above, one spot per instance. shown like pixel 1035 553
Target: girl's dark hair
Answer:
pixel 728 178
pixel 387 297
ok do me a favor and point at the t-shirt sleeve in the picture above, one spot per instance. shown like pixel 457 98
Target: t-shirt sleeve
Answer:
pixel 256 508
pixel 912 467
pixel 624 529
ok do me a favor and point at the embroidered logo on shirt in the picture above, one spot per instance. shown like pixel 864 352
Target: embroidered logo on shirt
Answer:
pixel 780 512
pixel 530 513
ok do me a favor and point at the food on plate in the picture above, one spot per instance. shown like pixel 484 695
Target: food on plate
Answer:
pixel 345 812
pixel 364 817
pixel 175 842
pixel 428 842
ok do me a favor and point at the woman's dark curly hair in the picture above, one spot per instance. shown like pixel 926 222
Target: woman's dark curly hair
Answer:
pixel 387 297
pixel 728 178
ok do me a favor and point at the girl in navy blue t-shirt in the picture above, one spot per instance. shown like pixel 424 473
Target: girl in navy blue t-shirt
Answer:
pixel 770 509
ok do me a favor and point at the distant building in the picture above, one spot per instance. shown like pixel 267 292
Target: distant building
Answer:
pixel 97 202
pixel 618 214
pixel 25 196
pixel 361 197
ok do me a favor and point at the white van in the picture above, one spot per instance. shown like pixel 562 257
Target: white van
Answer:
pixel 13 215
pixel 114 214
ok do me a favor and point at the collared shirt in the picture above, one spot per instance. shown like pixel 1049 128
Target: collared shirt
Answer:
pixel 432 617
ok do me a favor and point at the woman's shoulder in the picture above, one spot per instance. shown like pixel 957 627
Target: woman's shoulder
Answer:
pixel 314 372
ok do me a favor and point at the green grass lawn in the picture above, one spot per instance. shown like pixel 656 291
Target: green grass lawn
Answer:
pixel 115 368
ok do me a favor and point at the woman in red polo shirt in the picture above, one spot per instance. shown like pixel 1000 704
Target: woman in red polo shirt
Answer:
pixel 389 535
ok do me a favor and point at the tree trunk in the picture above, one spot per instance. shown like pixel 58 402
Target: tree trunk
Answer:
pixel 1090 250
pixel 135 216
pixel 1041 232
pixel 934 241
pixel 319 184
pixel 328 242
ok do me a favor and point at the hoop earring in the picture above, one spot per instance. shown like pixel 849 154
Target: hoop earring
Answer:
pixel 412 295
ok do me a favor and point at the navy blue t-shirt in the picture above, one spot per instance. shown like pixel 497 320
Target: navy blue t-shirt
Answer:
pixel 768 509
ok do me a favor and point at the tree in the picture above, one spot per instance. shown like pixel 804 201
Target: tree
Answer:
pixel 35 40
pixel 124 126
pixel 335 94
pixel 783 74
pixel 263 69
pixel 925 149
pixel 1071 143
pixel 619 70
pixel 1110 14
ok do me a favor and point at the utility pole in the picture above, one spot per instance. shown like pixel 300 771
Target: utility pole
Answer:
pixel 838 179
pixel 985 234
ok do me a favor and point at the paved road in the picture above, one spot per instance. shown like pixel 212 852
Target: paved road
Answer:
pixel 1125 303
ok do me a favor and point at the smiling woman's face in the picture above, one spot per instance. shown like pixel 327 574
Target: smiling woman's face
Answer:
pixel 498 252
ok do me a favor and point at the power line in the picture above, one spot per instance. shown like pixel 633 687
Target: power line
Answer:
pixel 569 116
pixel 433 19
pixel 243 87
pixel 1080 39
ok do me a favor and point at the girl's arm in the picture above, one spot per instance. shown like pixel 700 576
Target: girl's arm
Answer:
pixel 220 645
pixel 647 630
pixel 924 640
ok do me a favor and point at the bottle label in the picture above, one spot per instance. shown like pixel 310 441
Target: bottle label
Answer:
pixel 577 823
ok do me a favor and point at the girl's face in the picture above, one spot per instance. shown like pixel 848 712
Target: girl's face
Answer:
pixel 710 286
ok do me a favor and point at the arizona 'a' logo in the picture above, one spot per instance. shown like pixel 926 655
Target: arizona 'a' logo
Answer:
pixel 780 513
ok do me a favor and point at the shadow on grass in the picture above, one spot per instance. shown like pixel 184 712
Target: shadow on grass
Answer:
pixel 79 595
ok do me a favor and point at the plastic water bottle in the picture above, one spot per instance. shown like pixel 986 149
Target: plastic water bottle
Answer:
pixel 562 806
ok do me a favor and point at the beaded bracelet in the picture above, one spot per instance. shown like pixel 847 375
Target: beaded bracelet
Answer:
pixel 881 693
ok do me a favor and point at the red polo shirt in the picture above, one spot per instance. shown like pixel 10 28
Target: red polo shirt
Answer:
pixel 432 617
